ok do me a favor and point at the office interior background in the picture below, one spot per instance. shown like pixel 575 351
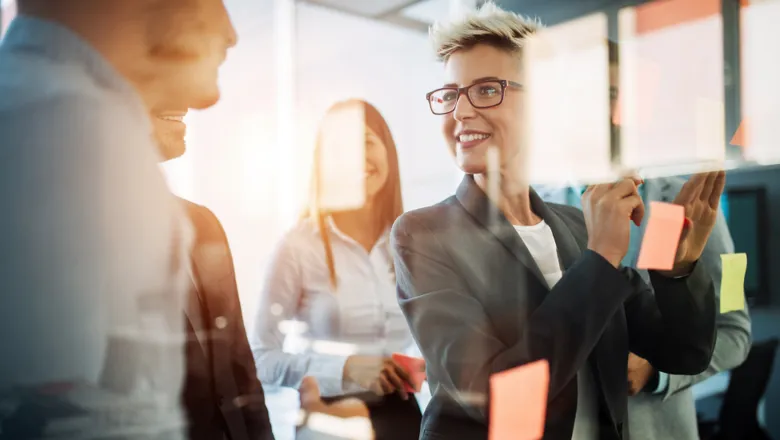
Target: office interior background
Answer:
pixel 249 156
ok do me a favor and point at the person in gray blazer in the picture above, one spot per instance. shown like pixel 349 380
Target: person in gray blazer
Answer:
pixel 662 405
pixel 493 277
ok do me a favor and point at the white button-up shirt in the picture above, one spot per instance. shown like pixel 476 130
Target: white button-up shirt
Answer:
pixel 361 316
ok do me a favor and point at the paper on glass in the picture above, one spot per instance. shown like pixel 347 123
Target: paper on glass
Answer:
pixel 671 87
pixel 760 73
pixel 342 152
pixel 566 118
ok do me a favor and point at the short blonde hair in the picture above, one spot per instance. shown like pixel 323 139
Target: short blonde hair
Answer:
pixel 487 25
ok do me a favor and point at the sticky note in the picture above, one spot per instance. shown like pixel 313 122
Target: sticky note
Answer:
pixel 341 157
pixel 759 72
pixel 732 284
pixel 416 369
pixel 739 140
pixel 518 402
pixel 662 236
pixel 568 135
pixel 655 16
pixel 675 128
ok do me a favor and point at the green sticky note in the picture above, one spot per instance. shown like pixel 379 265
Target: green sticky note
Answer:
pixel 732 284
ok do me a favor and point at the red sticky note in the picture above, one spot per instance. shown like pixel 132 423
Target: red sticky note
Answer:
pixel 662 236
pixel 518 402
pixel 740 136
pixel 416 369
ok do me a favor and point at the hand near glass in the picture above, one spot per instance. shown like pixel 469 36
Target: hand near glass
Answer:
pixel 607 207
pixel 381 375
pixel 700 196
pixel 312 402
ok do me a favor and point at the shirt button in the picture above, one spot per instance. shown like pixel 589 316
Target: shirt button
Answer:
pixel 221 322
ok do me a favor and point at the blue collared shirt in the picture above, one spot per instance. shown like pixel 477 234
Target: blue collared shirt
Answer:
pixel 94 264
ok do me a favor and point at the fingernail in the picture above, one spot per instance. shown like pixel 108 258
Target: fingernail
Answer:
pixel 687 223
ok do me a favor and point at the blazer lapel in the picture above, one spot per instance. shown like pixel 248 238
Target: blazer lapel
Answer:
pixel 487 214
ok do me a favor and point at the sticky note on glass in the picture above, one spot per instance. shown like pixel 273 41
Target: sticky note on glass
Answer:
pixel 416 369
pixel 740 136
pixel 518 402
pixel 732 284
pixel 669 113
pixel 662 236
pixel 568 136
pixel 341 157
pixel 759 70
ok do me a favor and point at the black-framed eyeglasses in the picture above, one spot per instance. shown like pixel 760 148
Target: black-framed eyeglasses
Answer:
pixel 482 94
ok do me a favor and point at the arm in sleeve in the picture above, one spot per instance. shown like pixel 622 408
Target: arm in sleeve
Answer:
pixel 675 328
pixel 733 328
pixel 242 364
pixel 95 274
pixel 279 302
pixel 456 336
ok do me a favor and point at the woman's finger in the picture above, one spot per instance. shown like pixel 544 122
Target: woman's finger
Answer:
pixel 400 371
pixel 387 386
pixel 707 187
pixel 397 382
pixel 717 189
pixel 690 190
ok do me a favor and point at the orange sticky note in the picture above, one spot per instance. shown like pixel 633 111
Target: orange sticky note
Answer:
pixel 662 236
pixel 655 16
pixel 518 402
pixel 416 369
pixel 739 139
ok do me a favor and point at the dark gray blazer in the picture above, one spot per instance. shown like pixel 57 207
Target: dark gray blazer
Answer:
pixel 478 304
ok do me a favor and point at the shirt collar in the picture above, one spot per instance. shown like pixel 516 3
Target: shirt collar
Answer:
pixel 57 42
pixel 332 226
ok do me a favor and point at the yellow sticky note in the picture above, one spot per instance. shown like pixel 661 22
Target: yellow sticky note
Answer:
pixel 732 284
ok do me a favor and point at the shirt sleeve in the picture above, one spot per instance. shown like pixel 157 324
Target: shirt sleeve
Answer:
pixel 663 383
pixel 733 329
pixel 278 303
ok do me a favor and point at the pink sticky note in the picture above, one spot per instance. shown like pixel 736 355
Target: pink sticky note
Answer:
pixel 662 236
pixel 518 402
pixel 416 369
pixel 740 136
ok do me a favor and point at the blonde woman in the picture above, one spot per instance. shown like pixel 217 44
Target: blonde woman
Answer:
pixel 493 283
pixel 334 272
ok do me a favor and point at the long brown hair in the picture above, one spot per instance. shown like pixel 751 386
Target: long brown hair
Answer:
pixel 389 204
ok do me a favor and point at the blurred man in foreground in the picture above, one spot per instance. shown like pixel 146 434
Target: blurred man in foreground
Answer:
pixel 96 267
pixel 218 353
pixel 222 395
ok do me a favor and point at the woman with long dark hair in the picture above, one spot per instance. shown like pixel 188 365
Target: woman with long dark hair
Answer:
pixel 334 272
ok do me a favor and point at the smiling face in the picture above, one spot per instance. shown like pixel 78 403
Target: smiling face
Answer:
pixel 187 43
pixel 470 131
pixel 170 131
